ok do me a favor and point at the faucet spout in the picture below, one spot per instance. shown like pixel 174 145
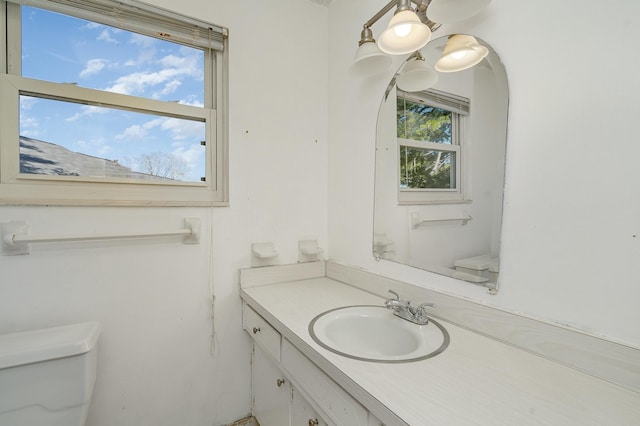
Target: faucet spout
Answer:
pixel 403 309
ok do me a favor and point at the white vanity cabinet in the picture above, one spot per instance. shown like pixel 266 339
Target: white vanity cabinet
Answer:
pixel 289 390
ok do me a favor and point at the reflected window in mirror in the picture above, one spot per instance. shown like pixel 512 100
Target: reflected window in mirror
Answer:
pixel 431 143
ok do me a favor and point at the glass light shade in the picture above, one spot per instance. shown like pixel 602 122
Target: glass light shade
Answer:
pixel 416 76
pixel 448 11
pixel 370 59
pixel 461 52
pixel 404 34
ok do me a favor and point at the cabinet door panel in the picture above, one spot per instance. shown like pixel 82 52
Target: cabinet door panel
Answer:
pixel 339 407
pixel 303 414
pixel 271 392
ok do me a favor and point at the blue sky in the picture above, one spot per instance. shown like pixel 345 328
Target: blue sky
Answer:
pixel 64 49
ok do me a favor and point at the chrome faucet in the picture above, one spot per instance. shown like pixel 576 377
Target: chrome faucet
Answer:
pixel 403 309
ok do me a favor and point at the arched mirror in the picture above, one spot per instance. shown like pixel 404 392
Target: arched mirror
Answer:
pixel 439 175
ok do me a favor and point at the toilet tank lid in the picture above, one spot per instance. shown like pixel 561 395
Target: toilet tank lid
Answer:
pixel 27 347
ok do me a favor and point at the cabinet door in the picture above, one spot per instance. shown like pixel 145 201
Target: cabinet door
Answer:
pixel 338 406
pixel 303 414
pixel 271 392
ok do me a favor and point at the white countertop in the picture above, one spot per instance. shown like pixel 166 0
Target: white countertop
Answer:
pixel 475 381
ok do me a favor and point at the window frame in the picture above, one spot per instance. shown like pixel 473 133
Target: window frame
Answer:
pixel 17 188
pixel 459 146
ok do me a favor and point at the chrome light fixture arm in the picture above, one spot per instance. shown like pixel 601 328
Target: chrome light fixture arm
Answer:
pixel 375 18
pixel 421 11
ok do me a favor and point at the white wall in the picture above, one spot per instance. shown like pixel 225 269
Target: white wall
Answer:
pixel 152 298
pixel 571 231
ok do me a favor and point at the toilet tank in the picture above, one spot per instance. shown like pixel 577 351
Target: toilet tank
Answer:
pixel 47 376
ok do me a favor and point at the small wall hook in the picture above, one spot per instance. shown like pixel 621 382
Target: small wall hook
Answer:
pixel 263 254
pixel 308 251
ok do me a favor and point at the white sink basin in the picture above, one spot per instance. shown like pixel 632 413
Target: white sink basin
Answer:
pixel 373 333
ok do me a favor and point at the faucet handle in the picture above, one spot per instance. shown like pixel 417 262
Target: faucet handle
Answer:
pixel 398 304
pixel 397 301
pixel 421 312
pixel 421 307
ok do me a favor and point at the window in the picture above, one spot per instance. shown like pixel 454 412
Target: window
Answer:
pixel 104 102
pixel 430 131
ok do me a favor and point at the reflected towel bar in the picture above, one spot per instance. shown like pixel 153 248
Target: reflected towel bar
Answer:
pixel 417 221
pixel 16 241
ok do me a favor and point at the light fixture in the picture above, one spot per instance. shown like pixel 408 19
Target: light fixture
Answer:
pixel 461 52
pixel 409 30
pixel 369 58
pixel 405 33
pixel 416 75
pixel 448 11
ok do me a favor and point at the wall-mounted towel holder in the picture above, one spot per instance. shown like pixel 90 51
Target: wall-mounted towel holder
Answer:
pixel 16 241
pixel 416 220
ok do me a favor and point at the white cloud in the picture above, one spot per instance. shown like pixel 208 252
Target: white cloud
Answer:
pixel 28 123
pixel 104 151
pixel 96 146
pixel 93 25
pixel 136 83
pixel 172 61
pixel 29 126
pixel 142 40
pixel 182 129
pixel 138 131
pixel 187 64
pixel 192 155
pixel 168 88
pixel 154 123
pixel 86 110
pixel 31 133
pixel 193 101
pixel 27 102
pixel 105 35
pixel 135 132
pixel 163 82
pixel 93 66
